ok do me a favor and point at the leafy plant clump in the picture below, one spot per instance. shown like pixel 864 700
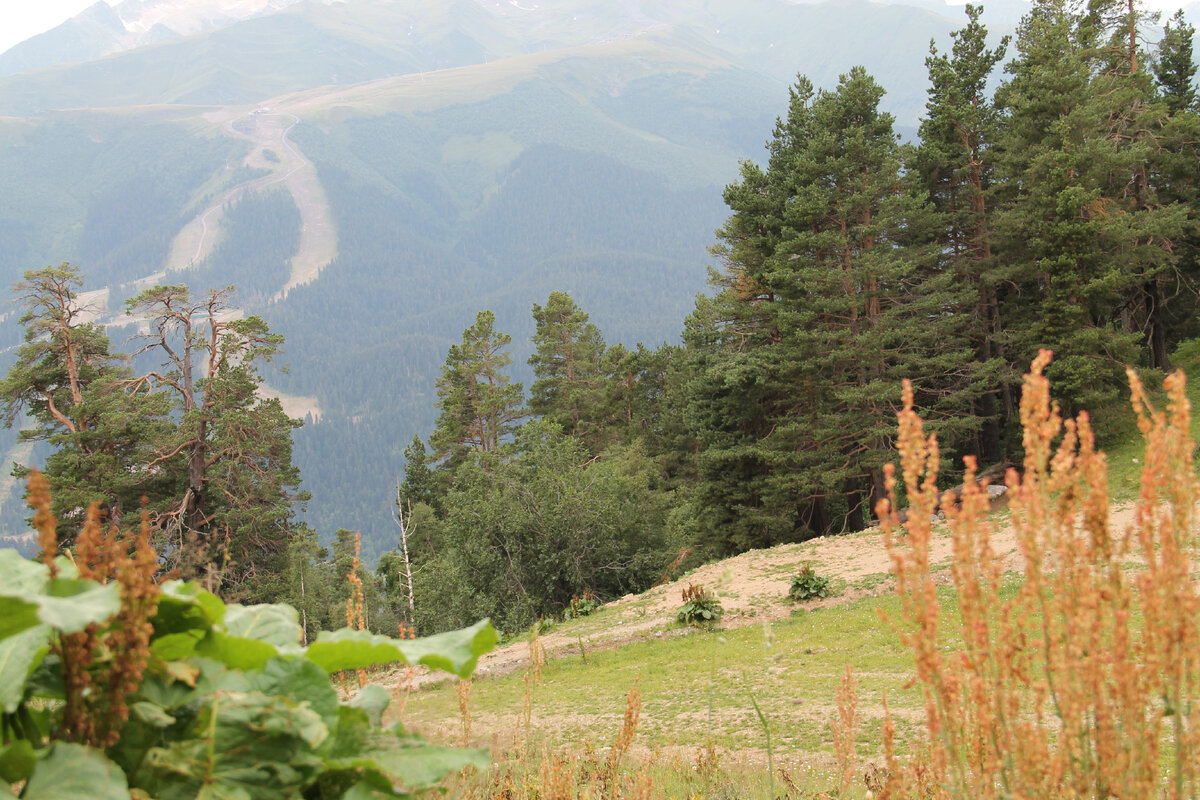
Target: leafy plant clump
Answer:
pixel 114 686
pixel 581 605
pixel 700 607
pixel 808 585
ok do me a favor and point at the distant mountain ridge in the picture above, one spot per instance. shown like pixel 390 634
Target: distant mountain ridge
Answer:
pixel 439 157
pixel 102 29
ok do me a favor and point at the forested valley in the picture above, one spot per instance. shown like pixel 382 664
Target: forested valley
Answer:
pixel 1050 202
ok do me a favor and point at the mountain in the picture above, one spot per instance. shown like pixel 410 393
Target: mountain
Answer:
pixel 372 173
pixel 101 29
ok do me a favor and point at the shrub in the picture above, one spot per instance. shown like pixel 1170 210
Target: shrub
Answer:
pixel 113 682
pixel 807 585
pixel 581 605
pixel 1085 681
pixel 700 608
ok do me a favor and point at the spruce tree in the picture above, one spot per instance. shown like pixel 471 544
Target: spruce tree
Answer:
pixel 1174 67
pixel 420 485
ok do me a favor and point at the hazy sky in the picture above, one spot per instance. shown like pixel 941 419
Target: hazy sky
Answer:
pixel 20 19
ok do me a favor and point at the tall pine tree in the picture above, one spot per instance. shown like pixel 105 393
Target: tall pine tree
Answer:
pixel 479 403
pixel 830 295
pixel 954 165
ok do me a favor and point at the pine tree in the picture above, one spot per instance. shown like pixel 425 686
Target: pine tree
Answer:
pixel 568 360
pixel 231 448
pixel 829 296
pixel 479 403
pixel 1086 236
pixel 1049 216
pixel 76 391
pixel 1174 68
pixel 954 165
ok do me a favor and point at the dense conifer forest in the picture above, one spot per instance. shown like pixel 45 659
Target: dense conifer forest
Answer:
pixel 1049 202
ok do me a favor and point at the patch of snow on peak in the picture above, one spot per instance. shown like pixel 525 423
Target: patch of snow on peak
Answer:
pixel 186 17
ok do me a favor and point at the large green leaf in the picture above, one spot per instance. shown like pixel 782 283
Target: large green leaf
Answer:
pixel 71 604
pixel 252 635
pixel 275 624
pixel 410 760
pixel 186 608
pixel 455 651
pixel 241 744
pixel 236 652
pixel 372 785
pixel 19 576
pixel 17 761
pixel 66 604
pixel 19 654
pixel 299 680
pixel 373 699
pixel 74 772
pixel 16 615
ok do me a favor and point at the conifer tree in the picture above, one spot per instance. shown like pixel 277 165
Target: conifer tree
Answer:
pixel 829 295
pixel 954 165
pixel 568 361
pixel 74 389
pixel 1087 239
pixel 1174 67
pixel 1049 216
pixel 420 485
pixel 231 449
pixel 480 405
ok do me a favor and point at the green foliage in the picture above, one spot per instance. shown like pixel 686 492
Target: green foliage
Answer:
pixel 1175 67
pixel 523 533
pixel 829 294
pixel 72 387
pixel 231 706
pixel 808 585
pixel 571 388
pixel 700 607
pixel 581 605
pixel 479 404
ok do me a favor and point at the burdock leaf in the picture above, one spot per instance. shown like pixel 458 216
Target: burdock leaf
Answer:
pixel 75 771
pixel 455 651
pixel 19 655
pixel 410 760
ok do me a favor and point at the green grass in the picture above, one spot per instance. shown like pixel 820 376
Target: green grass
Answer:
pixel 696 686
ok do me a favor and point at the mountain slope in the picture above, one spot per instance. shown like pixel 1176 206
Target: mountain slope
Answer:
pixel 440 158
pixel 310 44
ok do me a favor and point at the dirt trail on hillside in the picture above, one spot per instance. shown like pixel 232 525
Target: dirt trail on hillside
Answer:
pixel 752 587
pixel 267 130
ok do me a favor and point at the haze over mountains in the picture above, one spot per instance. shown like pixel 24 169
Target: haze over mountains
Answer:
pixel 371 173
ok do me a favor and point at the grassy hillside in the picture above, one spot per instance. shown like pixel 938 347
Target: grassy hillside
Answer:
pixel 563 689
